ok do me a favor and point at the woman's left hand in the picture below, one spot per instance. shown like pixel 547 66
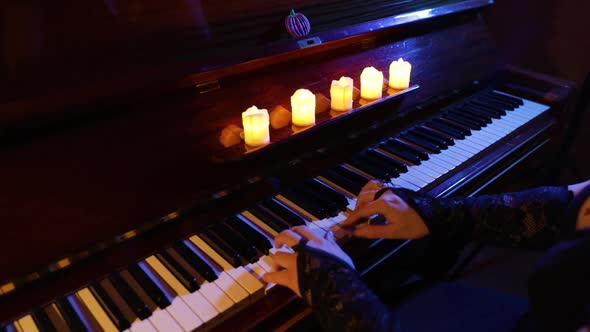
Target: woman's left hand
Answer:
pixel 293 237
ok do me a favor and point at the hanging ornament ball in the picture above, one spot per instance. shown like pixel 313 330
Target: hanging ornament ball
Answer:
pixel 297 24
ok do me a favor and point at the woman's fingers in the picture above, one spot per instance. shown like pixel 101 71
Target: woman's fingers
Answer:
pixel 365 197
pixel 376 231
pixel 287 238
pixel 367 193
pixel 285 260
pixel 285 278
pixel 370 209
pixel 306 233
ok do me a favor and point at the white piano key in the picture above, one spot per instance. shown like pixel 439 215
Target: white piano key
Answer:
pixel 296 208
pixel 96 309
pixel 186 317
pixel 256 270
pixel 83 313
pixel 404 184
pixel 143 326
pixel 347 193
pixel 166 275
pixel 267 264
pixel 434 168
pixel 419 183
pixel 456 150
pixel 27 324
pixel 210 252
pixel 452 154
pixel 163 322
pixel 440 162
pixel 231 287
pixel 178 309
pixel 254 220
pixel 246 280
pixel 467 147
pixel 201 306
pixel 216 296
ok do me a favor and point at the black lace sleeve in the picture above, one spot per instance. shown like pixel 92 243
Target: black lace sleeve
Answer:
pixel 533 218
pixel 338 296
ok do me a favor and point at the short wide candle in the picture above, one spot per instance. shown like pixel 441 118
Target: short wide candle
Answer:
pixel 399 74
pixel 255 122
pixel 371 83
pixel 303 108
pixel 341 94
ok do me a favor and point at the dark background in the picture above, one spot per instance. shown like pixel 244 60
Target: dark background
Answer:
pixel 549 37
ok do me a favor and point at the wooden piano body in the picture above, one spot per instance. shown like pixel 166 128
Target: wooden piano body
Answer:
pixel 118 161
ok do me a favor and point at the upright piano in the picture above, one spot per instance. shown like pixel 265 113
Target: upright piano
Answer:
pixel 120 208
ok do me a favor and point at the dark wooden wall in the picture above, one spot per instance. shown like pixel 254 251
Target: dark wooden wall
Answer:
pixel 550 37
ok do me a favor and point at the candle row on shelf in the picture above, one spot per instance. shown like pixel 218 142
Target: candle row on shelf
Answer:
pixel 303 102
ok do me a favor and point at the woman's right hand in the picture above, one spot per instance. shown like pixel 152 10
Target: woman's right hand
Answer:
pixel 401 220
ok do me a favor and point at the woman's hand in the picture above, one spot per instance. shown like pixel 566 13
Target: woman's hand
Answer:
pixel 293 237
pixel 402 221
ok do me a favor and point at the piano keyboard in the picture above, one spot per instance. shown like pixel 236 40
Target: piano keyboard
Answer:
pixel 198 280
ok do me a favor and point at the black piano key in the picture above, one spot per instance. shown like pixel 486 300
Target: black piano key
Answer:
pixel 419 141
pixel 334 195
pixel 351 175
pixel 382 161
pixel 443 143
pixel 152 290
pixel 260 241
pixel 306 203
pixel 398 147
pixel 467 115
pixel 509 99
pixel 134 302
pixel 369 168
pixel 475 114
pixel 462 121
pixel 184 277
pixel 330 207
pixel 42 320
pixel 403 154
pixel 487 100
pixel 498 111
pixel 54 315
pixel 483 111
pixel 195 261
pixel 228 253
pixel 282 212
pixel 244 247
pixel 446 138
pixel 348 185
pixel 395 165
pixel 109 306
pixel 275 223
pixel 70 316
pixel 466 131
pixel 446 129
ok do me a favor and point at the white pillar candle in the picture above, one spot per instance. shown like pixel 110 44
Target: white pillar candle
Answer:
pixel 399 74
pixel 303 108
pixel 341 94
pixel 371 83
pixel 255 122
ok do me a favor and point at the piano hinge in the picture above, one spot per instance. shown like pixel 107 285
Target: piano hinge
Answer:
pixel 209 86
pixel 368 43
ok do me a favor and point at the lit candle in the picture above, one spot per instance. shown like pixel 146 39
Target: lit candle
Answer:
pixel 303 108
pixel 399 74
pixel 371 83
pixel 255 122
pixel 341 94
